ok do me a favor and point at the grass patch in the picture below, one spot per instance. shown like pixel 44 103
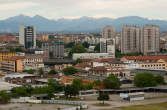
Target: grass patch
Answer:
pixel 158 106
pixel 101 105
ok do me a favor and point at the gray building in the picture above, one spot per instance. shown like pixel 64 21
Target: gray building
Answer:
pixel 55 49
pixel 27 36
pixel 108 46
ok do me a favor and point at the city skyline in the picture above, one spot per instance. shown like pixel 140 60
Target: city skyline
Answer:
pixel 152 9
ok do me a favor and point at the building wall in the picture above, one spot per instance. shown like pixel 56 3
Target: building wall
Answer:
pixel 91 55
pixel 107 46
pixel 27 36
pixel 150 39
pixel 6 54
pixel 130 37
pixel 108 32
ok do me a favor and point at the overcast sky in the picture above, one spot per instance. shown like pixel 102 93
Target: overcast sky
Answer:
pixel 55 9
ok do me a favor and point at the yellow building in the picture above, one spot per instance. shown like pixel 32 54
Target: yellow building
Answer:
pixel 6 54
pixel 160 64
pixel 12 64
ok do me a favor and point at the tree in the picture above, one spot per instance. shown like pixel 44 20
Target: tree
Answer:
pixel 39 43
pixel 41 71
pixel 85 44
pixel 159 79
pixel 97 48
pixel 77 49
pixel 103 97
pixel 53 72
pixel 30 71
pixel 77 83
pixel 70 70
pixel 145 79
pixel 71 90
pixel 78 61
pixel 88 86
pixel 4 97
pixel 69 45
pixel 112 82
pixel 58 87
pixel 97 83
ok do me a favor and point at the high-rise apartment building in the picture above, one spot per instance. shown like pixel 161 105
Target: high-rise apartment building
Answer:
pixel 144 40
pixel 107 46
pixel 130 39
pixel 108 32
pixel 27 36
pixel 150 39
pixel 55 49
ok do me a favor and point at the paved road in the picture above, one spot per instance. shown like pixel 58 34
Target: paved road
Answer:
pixel 123 104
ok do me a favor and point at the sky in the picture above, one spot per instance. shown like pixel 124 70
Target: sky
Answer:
pixel 70 9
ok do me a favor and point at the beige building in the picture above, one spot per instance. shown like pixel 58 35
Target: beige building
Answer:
pixel 130 36
pixel 145 40
pixel 150 39
pixel 108 32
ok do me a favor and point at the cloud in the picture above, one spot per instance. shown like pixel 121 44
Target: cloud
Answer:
pixel 7 6
pixel 76 8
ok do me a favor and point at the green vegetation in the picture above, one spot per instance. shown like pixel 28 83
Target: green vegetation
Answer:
pixel 97 48
pixel 53 72
pixel 85 44
pixel 15 49
pixel 58 87
pixel 158 106
pixel 119 55
pixel 101 104
pixel 41 71
pixel 78 61
pixel 70 70
pixel 30 71
pixel 75 87
pixel 77 49
pixel 147 79
pixel 39 43
pixel 71 90
pixel 103 97
pixel 4 97
pixel 112 82
pixel 97 82
pixel 26 91
pixel 69 45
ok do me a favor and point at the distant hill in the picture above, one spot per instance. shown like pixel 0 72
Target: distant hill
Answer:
pixel 83 24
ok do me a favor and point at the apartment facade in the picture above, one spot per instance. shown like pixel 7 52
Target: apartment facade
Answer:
pixel 108 32
pixel 55 49
pixel 27 36
pixel 130 39
pixel 135 39
pixel 150 39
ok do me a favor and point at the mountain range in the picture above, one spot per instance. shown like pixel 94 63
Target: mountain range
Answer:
pixel 83 24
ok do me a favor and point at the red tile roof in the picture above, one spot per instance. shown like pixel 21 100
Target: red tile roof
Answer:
pixel 157 57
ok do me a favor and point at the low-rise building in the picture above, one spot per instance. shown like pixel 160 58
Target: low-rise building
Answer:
pixel 91 56
pixel 33 61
